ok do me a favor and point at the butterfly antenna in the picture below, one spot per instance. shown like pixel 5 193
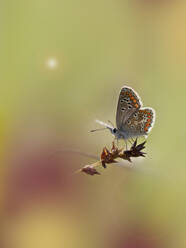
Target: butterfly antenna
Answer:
pixel 99 129
pixel 106 126
pixel 111 123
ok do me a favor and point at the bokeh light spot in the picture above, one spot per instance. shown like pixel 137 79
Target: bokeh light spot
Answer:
pixel 52 63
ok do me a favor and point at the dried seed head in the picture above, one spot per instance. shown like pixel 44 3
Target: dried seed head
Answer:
pixel 90 170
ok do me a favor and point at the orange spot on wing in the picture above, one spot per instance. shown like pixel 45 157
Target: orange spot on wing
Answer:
pixel 145 129
pixel 134 100
pixel 136 105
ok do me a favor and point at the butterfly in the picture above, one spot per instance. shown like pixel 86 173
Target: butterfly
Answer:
pixel 132 120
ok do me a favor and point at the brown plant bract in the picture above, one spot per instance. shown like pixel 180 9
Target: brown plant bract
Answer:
pixel 109 157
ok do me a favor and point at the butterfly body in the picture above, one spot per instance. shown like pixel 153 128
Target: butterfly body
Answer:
pixel 118 134
pixel 131 119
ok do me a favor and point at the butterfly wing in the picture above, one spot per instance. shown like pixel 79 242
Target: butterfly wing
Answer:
pixel 139 123
pixel 128 103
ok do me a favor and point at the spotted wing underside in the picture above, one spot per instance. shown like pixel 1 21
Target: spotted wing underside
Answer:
pixel 128 103
pixel 139 123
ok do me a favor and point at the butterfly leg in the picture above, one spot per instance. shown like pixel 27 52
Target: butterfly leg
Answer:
pixel 131 142
pixel 125 143
pixel 117 142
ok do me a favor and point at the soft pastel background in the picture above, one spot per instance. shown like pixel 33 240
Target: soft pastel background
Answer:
pixel 62 66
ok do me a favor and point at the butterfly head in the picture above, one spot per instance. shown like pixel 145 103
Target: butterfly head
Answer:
pixel 113 130
pixel 116 133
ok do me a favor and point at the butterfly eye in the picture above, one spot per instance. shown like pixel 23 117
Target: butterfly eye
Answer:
pixel 132 126
pixel 123 109
pixel 121 100
pixel 114 130
pixel 135 115
pixel 129 106
pixel 128 122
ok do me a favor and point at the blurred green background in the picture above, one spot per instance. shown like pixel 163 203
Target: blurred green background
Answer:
pixel 62 66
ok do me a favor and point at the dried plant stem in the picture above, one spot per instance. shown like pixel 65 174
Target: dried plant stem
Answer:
pixel 92 166
pixel 107 157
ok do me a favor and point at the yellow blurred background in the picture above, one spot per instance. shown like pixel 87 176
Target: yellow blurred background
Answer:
pixel 62 66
